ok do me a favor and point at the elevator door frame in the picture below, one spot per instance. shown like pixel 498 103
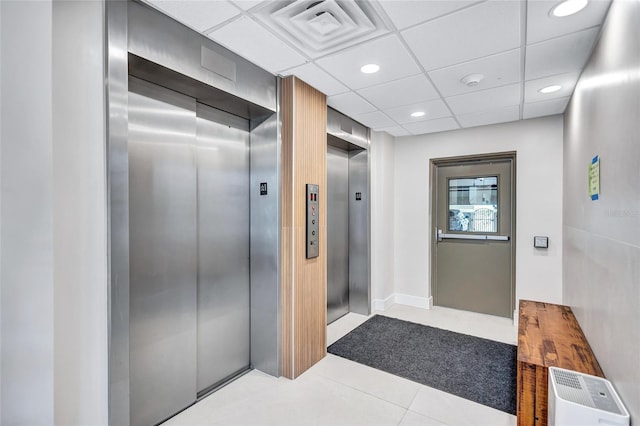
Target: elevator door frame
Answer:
pixel 144 43
pixel 353 138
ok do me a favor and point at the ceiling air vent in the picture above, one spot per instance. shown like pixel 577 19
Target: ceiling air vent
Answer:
pixel 321 27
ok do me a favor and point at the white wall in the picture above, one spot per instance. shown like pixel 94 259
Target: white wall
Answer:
pixel 0 210
pixel 382 218
pixel 26 372
pixel 53 245
pixel 79 214
pixel 602 238
pixel 538 143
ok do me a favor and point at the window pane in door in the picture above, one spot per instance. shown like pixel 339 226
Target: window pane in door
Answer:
pixel 473 204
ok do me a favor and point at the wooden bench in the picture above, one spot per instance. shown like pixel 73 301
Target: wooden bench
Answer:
pixel 548 336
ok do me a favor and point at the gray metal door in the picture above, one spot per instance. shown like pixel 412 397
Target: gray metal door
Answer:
pixel 163 252
pixel 189 249
pixel 474 237
pixel 337 233
pixel 223 245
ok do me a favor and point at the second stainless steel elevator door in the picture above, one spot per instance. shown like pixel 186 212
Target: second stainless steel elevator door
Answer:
pixel 337 233
pixel 223 245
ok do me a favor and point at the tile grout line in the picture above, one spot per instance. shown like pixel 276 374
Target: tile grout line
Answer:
pixel 324 376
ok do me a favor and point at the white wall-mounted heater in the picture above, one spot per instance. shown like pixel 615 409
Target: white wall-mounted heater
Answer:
pixel 577 399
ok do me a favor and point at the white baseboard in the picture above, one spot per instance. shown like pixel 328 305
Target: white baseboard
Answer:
pixel 415 301
pixel 402 299
pixel 382 304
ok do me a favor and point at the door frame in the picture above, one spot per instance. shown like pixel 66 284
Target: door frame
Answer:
pixel 434 163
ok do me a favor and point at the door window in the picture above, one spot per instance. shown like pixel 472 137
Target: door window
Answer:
pixel 473 204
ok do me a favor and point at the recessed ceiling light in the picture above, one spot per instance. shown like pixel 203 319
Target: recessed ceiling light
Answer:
pixel 568 7
pixel 472 80
pixel 550 89
pixel 417 114
pixel 370 68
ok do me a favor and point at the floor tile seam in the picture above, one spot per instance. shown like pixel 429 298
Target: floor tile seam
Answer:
pixel 391 375
pixel 456 398
pixel 429 417
pixel 364 392
pixel 413 400
pixel 403 416
pixel 456 402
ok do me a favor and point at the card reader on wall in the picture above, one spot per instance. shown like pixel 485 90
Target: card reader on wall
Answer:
pixel 313 221
pixel 541 242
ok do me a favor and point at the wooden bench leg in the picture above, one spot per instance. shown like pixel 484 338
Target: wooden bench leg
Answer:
pixel 532 391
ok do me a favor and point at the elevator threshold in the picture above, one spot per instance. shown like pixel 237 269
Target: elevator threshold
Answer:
pixel 211 389
pixel 222 383
pixel 336 319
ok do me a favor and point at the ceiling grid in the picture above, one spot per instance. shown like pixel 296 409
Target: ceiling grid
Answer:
pixel 461 63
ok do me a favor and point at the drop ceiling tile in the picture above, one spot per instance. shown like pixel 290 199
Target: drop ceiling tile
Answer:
pixel 199 15
pixel 388 52
pixel 312 74
pixel 375 120
pixel 246 4
pixel 485 100
pixel 477 31
pixel 250 40
pixel 541 109
pixel 432 126
pixel 350 104
pixel 532 87
pixel 405 91
pixel 406 13
pixel 498 70
pixel 500 115
pixel 559 55
pixel 432 109
pixel 541 25
pixel 395 131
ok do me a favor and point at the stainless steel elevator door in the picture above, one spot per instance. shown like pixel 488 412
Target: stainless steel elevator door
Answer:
pixel 189 250
pixel 223 245
pixel 163 252
pixel 337 233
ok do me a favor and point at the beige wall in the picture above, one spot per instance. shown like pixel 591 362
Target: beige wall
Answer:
pixel 602 238
pixel 538 143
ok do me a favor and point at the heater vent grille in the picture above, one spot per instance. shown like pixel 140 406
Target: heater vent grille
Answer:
pixel 585 390
pixel 570 388
pixel 322 27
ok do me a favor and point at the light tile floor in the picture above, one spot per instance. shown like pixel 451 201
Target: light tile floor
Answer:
pixel 337 391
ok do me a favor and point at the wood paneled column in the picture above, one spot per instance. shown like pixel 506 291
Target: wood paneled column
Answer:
pixel 304 282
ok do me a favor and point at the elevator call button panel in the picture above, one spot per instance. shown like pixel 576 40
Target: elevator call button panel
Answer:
pixel 313 221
